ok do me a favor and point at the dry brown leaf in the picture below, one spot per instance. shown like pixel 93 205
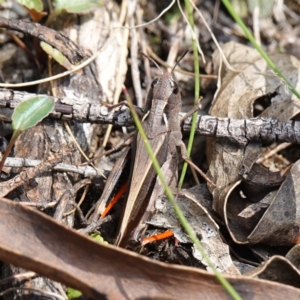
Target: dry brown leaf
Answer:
pixel 235 100
pixel 34 241
pixel 294 256
pixel 280 223
pixel 277 223
pixel 203 225
pixel 229 161
pixel 277 269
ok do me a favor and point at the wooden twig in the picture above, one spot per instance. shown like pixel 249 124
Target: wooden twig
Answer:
pixel 238 131
pixel 244 131
pixel 17 162
pixel 48 35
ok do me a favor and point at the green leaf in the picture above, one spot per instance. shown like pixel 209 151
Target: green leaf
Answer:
pixel 240 6
pixel 98 238
pixel 76 6
pixel 265 7
pixel 72 293
pixel 57 55
pixel 28 113
pixel 32 4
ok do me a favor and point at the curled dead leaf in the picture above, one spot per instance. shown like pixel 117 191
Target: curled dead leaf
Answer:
pixel 277 224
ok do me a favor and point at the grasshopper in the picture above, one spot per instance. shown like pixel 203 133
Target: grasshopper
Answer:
pixel 162 127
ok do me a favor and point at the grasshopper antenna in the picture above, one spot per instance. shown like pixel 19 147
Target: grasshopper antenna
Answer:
pixel 178 61
pixel 145 55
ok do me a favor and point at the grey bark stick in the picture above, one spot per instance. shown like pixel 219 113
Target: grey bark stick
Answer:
pixel 238 131
pixel 74 109
pixel 244 131
pixel 17 162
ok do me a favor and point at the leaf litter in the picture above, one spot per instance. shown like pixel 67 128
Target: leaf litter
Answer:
pixel 240 210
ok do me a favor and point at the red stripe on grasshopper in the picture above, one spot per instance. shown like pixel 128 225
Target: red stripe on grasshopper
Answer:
pixel 114 200
pixel 161 236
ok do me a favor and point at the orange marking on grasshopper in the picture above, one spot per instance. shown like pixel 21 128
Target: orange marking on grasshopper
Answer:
pixel 161 236
pixel 114 200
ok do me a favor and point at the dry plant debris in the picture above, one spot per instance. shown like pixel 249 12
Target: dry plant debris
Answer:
pixel 248 225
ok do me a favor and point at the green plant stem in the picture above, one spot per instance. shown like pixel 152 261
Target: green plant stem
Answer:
pixel 257 46
pixel 177 209
pixel 197 94
pixel 231 291
pixel 51 17
pixel 9 147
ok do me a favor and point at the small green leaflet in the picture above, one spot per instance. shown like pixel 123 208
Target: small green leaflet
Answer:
pixel 240 6
pixel 73 294
pixel 28 113
pixel 265 7
pixel 32 4
pixel 98 238
pixel 76 6
pixel 57 55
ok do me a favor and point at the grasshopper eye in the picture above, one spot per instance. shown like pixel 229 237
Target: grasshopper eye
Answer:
pixel 175 88
pixel 154 82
